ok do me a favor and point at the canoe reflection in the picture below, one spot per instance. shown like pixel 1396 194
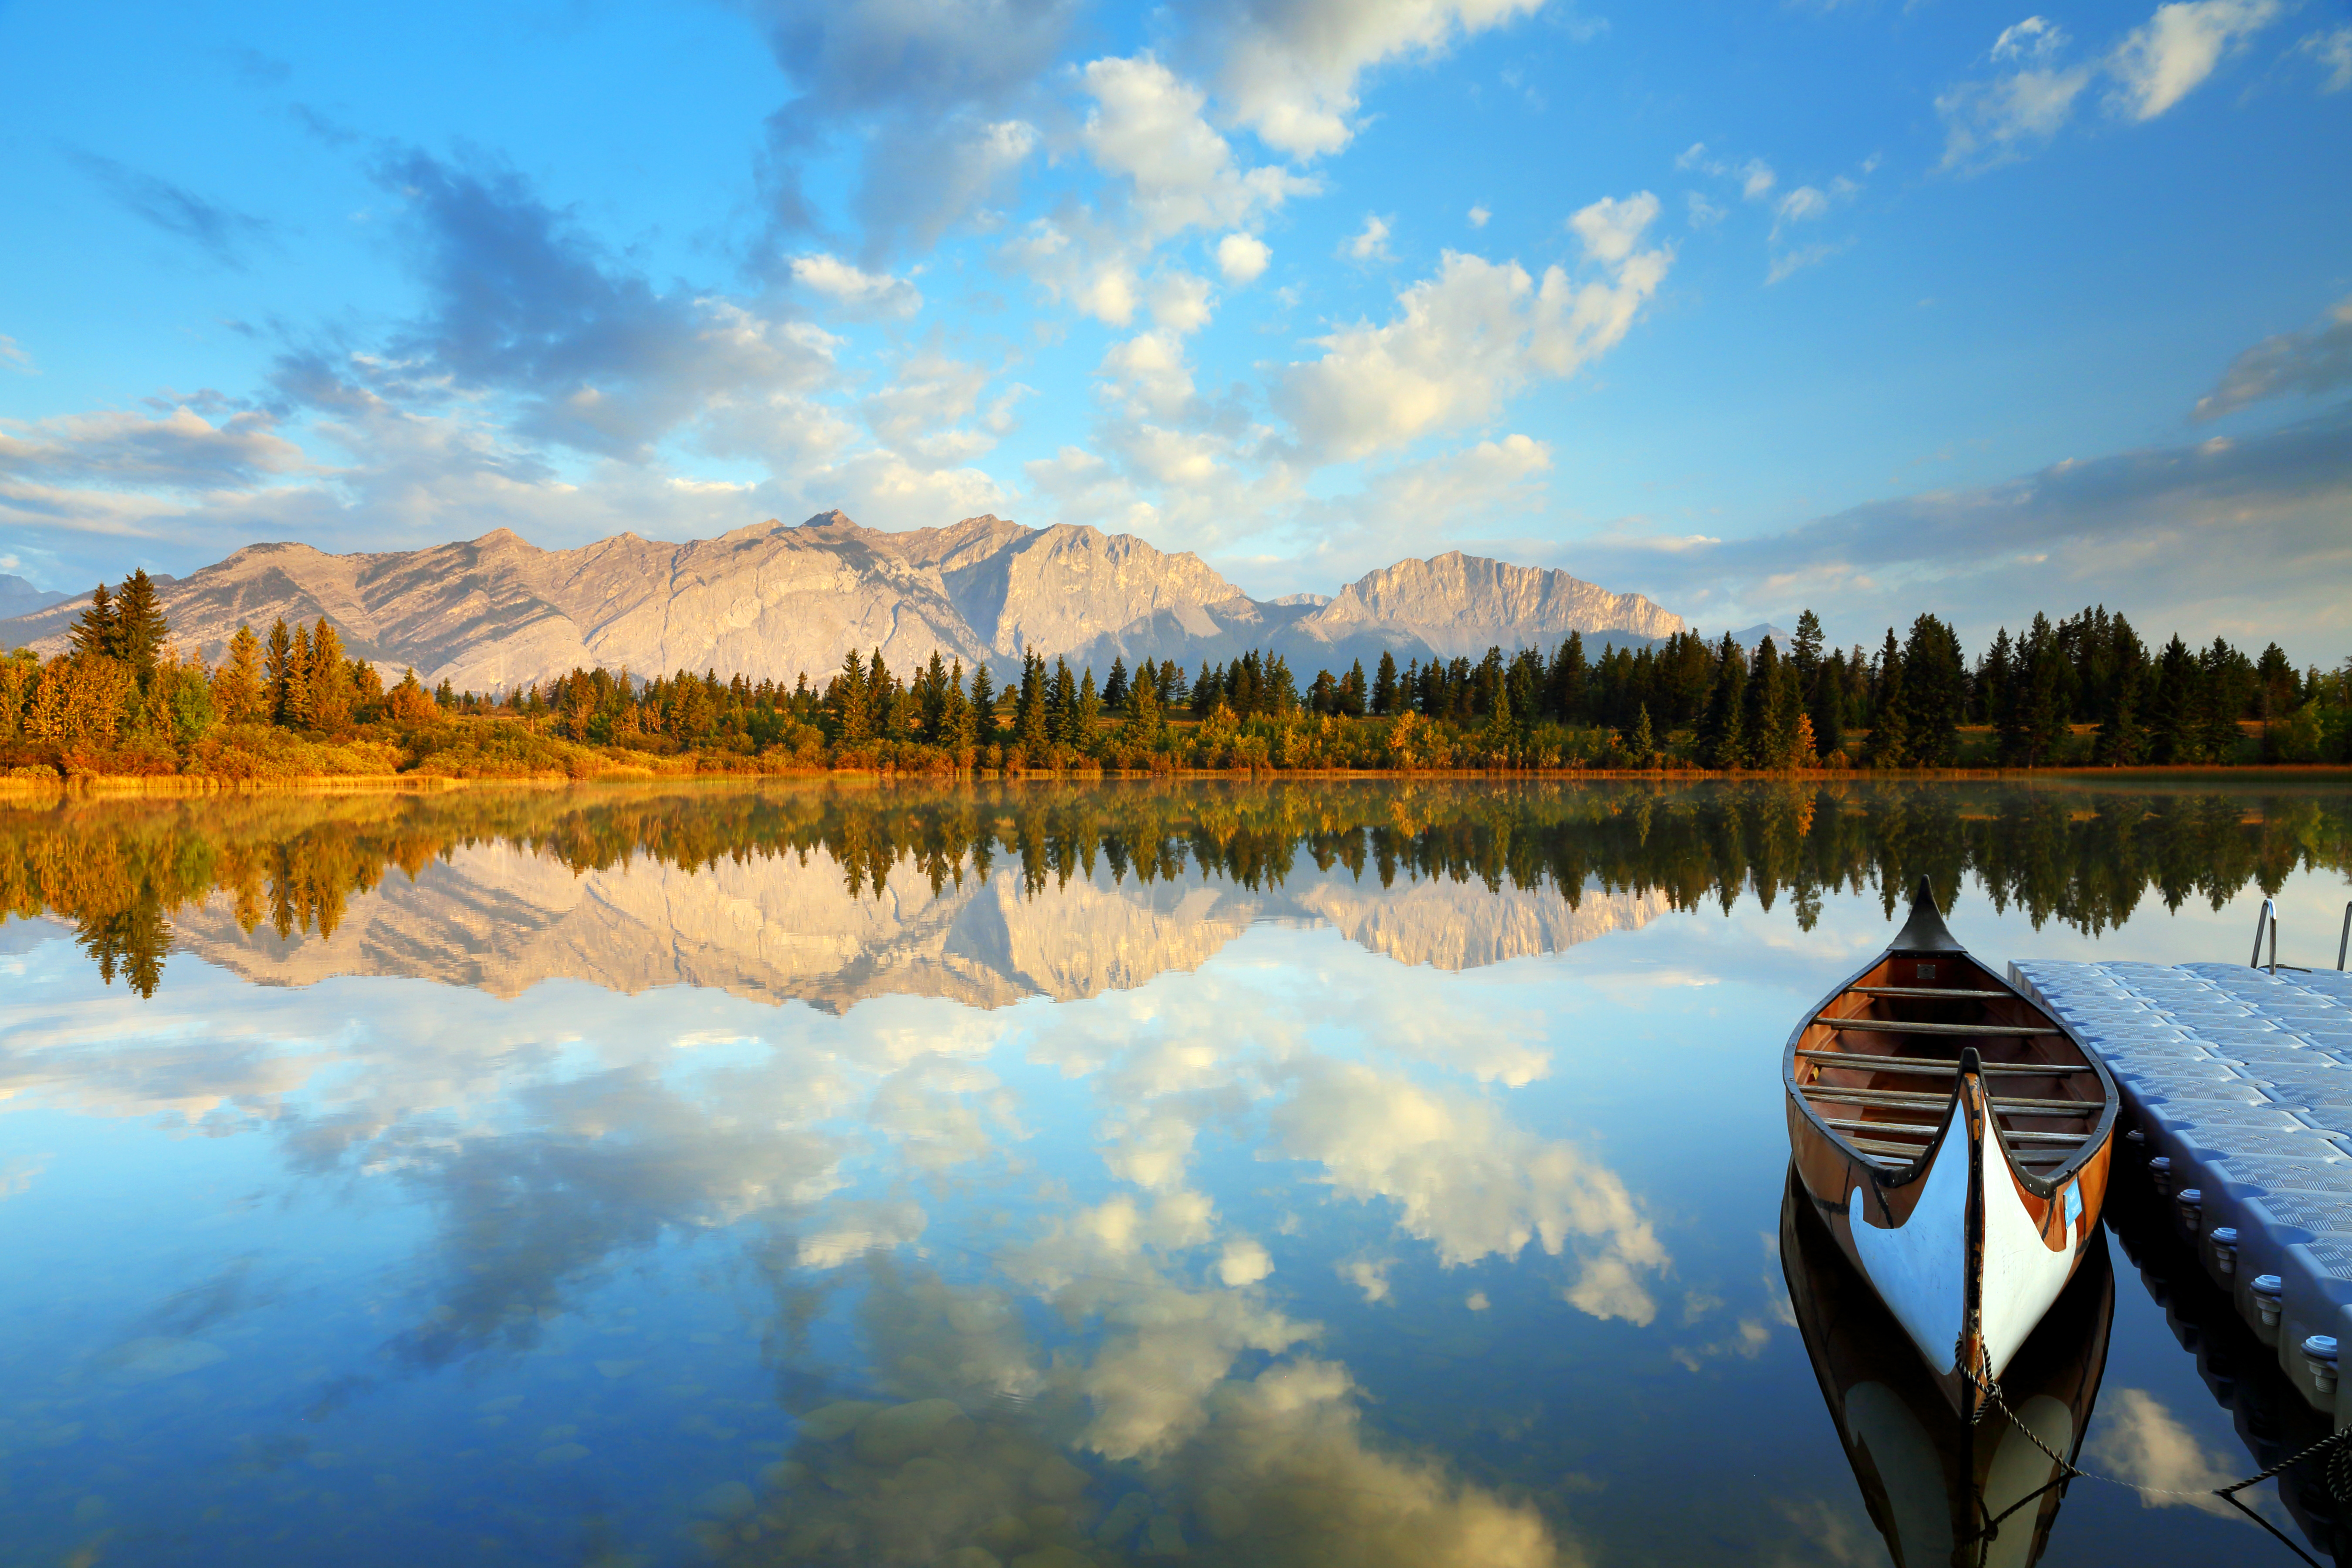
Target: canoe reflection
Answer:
pixel 1937 1488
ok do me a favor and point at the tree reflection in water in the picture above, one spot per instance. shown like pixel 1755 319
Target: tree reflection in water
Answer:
pixel 120 870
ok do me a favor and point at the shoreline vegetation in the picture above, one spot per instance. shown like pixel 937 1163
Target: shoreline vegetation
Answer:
pixel 123 711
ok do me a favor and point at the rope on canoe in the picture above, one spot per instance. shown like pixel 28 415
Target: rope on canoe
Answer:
pixel 2068 1470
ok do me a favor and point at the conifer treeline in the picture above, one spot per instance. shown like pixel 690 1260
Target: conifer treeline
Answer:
pixel 2082 690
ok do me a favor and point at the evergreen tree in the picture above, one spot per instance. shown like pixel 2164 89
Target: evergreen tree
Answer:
pixel 851 701
pixel 1140 711
pixel 1355 699
pixel 1030 731
pixel 1208 690
pixel 1384 685
pixel 238 693
pixel 1765 729
pixel 1082 716
pixel 1826 708
pixel 2122 737
pixel 140 628
pixel 1890 740
pixel 1114 692
pixel 2173 730
pixel 329 682
pixel 1570 676
pixel 1935 692
pixel 1644 746
pixel 97 631
pixel 959 721
pixel 297 714
pixel 1720 741
pixel 983 703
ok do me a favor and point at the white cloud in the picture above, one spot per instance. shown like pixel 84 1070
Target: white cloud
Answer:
pixel 1291 67
pixel 1146 125
pixel 2165 57
pixel 1149 368
pixel 1478 216
pixel 1703 213
pixel 1179 302
pixel 1988 123
pixel 1370 243
pixel 2334 52
pixel 2145 1445
pixel 1787 262
pixel 2035 39
pixel 1464 339
pixel 13 355
pixel 1242 258
pixel 854 291
pixel 178 450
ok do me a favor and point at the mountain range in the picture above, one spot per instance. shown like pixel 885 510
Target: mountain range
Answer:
pixel 773 601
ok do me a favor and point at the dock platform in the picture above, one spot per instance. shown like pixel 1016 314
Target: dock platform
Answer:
pixel 2237 1106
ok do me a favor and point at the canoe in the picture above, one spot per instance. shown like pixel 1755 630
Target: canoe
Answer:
pixel 1939 1489
pixel 1956 1138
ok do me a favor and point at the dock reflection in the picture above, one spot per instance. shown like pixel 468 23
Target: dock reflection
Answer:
pixel 2270 1415
pixel 1940 1489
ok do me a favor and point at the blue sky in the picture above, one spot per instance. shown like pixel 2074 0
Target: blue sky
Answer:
pixel 1868 307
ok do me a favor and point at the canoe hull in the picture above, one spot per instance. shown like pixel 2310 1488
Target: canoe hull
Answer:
pixel 1962 1251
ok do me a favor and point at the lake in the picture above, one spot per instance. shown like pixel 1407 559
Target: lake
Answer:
pixel 1022 1174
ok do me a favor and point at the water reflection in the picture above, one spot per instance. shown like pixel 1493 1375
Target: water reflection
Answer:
pixel 1241 1174
pixel 832 894
pixel 1941 1489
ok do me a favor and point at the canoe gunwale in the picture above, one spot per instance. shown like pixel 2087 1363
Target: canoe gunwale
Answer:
pixel 2042 1185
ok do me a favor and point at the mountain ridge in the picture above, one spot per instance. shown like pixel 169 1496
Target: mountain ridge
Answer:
pixel 772 600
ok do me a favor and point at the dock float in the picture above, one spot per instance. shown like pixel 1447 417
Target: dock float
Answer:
pixel 2237 1108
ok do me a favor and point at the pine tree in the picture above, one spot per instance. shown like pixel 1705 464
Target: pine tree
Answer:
pixel 140 628
pixel 238 693
pixel 98 631
pixel 296 711
pixel 1140 712
pixel 1384 685
pixel 1720 742
pixel 1569 697
pixel 1761 723
pixel 1114 692
pixel 1890 745
pixel 1644 746
pixel 1827 705
pixel 984 704
pixel 1935 691
pixel 329 683
pixel 852 702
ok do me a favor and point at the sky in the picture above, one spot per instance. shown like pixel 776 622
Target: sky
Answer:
pixel 1864 306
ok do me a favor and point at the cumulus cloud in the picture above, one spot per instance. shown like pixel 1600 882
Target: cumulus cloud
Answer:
pixel 2290 364
pixel 1242 259
pixel 1147 124
pixel 2169 55
pixel 1291 69
pixel 1469 1182
pixel 1462 340
pixel 222 232
pixel 1478 216
pixel 853 290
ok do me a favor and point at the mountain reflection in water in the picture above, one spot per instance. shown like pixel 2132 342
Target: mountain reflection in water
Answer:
pixel 1029 1175
pixel 830 894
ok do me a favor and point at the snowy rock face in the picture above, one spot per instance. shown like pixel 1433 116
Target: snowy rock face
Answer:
pixel 772 600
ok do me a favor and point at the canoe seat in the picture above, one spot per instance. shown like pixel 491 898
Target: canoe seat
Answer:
pixel 1896 1026
pixel 1864 1061
pixel 1901 1099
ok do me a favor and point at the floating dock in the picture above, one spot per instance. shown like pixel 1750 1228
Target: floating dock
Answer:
pixel 2237 1107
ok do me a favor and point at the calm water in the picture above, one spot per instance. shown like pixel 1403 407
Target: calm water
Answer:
pixel 1043 1175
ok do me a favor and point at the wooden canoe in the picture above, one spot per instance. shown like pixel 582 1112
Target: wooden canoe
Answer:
pixel 1941 1489
pixel 1956 1138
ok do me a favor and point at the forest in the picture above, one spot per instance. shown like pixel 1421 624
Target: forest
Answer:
pixel 2082 856
pixel 2083 691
